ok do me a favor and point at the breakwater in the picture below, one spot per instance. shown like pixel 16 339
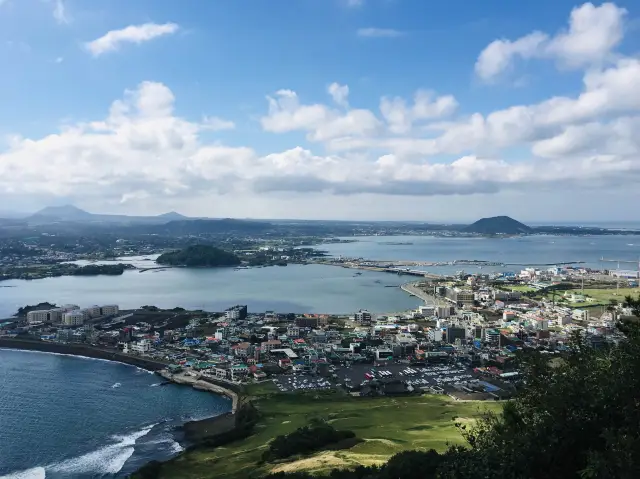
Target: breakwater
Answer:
pixel 82 350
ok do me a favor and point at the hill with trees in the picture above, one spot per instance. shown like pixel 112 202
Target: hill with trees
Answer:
pixel 498 225
pixel 199 255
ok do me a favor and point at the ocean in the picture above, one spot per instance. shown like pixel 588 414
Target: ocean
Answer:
pixel 317 288
pixel 68 417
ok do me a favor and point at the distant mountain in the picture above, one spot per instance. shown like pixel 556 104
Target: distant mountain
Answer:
pixel 498 225
pixel 70 213
pixel 63 213
pixel 172 216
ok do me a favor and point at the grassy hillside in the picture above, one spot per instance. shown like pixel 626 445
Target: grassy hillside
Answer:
pixel 387 425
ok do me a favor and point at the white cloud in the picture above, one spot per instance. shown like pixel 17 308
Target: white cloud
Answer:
pixel 400 118
pixel 218 124
pixel 340 94
pixel 114 39
pixel 59 12
pixel 321 122
pixel 355 3
pixel 497 57
pixel 379 32
pixel 592 35
pixel 142 152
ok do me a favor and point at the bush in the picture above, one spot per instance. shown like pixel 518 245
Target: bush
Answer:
pixel 305 440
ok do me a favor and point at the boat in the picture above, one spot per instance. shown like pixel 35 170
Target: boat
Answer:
pixel 116 385
pixel 358 273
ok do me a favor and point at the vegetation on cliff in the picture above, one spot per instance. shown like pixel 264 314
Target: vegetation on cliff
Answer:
pixel 199 255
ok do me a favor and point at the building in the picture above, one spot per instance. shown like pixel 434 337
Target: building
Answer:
pixel 427 311
pixel 241 350
pixel 236 313
pixel 109 310
pixel 41 316
pixel 491 336
pixel 125 335
pixel 455 333
pixel 580 314
pixel 293 331
pixel 434 335
pixel 73 318
pixel 460 297
pixel 443 311
pixel 271 344
pixel 139 347
pixel 93 312
pixel 363 316
pixel 498 295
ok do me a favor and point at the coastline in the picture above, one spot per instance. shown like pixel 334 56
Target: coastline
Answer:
pixel 195 432
pixel 81 350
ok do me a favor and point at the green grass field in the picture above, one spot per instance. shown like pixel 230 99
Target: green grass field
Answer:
pixel 600 296
pixel 386 426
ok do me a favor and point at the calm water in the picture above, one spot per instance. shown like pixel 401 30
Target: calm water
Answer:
pixel 62 416
pixel 294 288
pixel 529 250
pixel 315 288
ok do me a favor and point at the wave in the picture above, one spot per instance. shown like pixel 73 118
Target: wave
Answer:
pixel 34 473
pixel 77 356
pixel 106 460
pixel 155 385
pixel 142 370
pixel 116 385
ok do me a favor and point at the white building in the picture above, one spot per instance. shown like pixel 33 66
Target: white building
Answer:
pixel 434 335
pixel 443 311
pixel 580 314
pixel 363 316
pixel 93 311
pixel 109 310
pixel 142 346
pixel 37 317
pixel 73 318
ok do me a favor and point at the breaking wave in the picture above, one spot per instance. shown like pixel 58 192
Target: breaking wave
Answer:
pixel 107 460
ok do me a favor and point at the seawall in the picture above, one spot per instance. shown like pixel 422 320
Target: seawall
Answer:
pixel 203 383
pixel 82 350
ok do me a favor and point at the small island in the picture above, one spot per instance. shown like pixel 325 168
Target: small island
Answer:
pixel 199 255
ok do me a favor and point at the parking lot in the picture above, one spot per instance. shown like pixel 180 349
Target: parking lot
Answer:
pixel 417 376
pixel 301 382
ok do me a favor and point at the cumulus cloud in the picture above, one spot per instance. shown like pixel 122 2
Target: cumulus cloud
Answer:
pixel 321 122
pixel 141 150
pixel 114 39
pixel 372 32
pixel 592 35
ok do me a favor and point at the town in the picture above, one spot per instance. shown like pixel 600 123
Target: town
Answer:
pixel 461 342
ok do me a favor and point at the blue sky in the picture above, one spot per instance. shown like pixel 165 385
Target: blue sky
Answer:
pixel 321 156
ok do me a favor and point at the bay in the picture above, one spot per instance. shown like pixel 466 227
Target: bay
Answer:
pixel 63 416
pixel 318 288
